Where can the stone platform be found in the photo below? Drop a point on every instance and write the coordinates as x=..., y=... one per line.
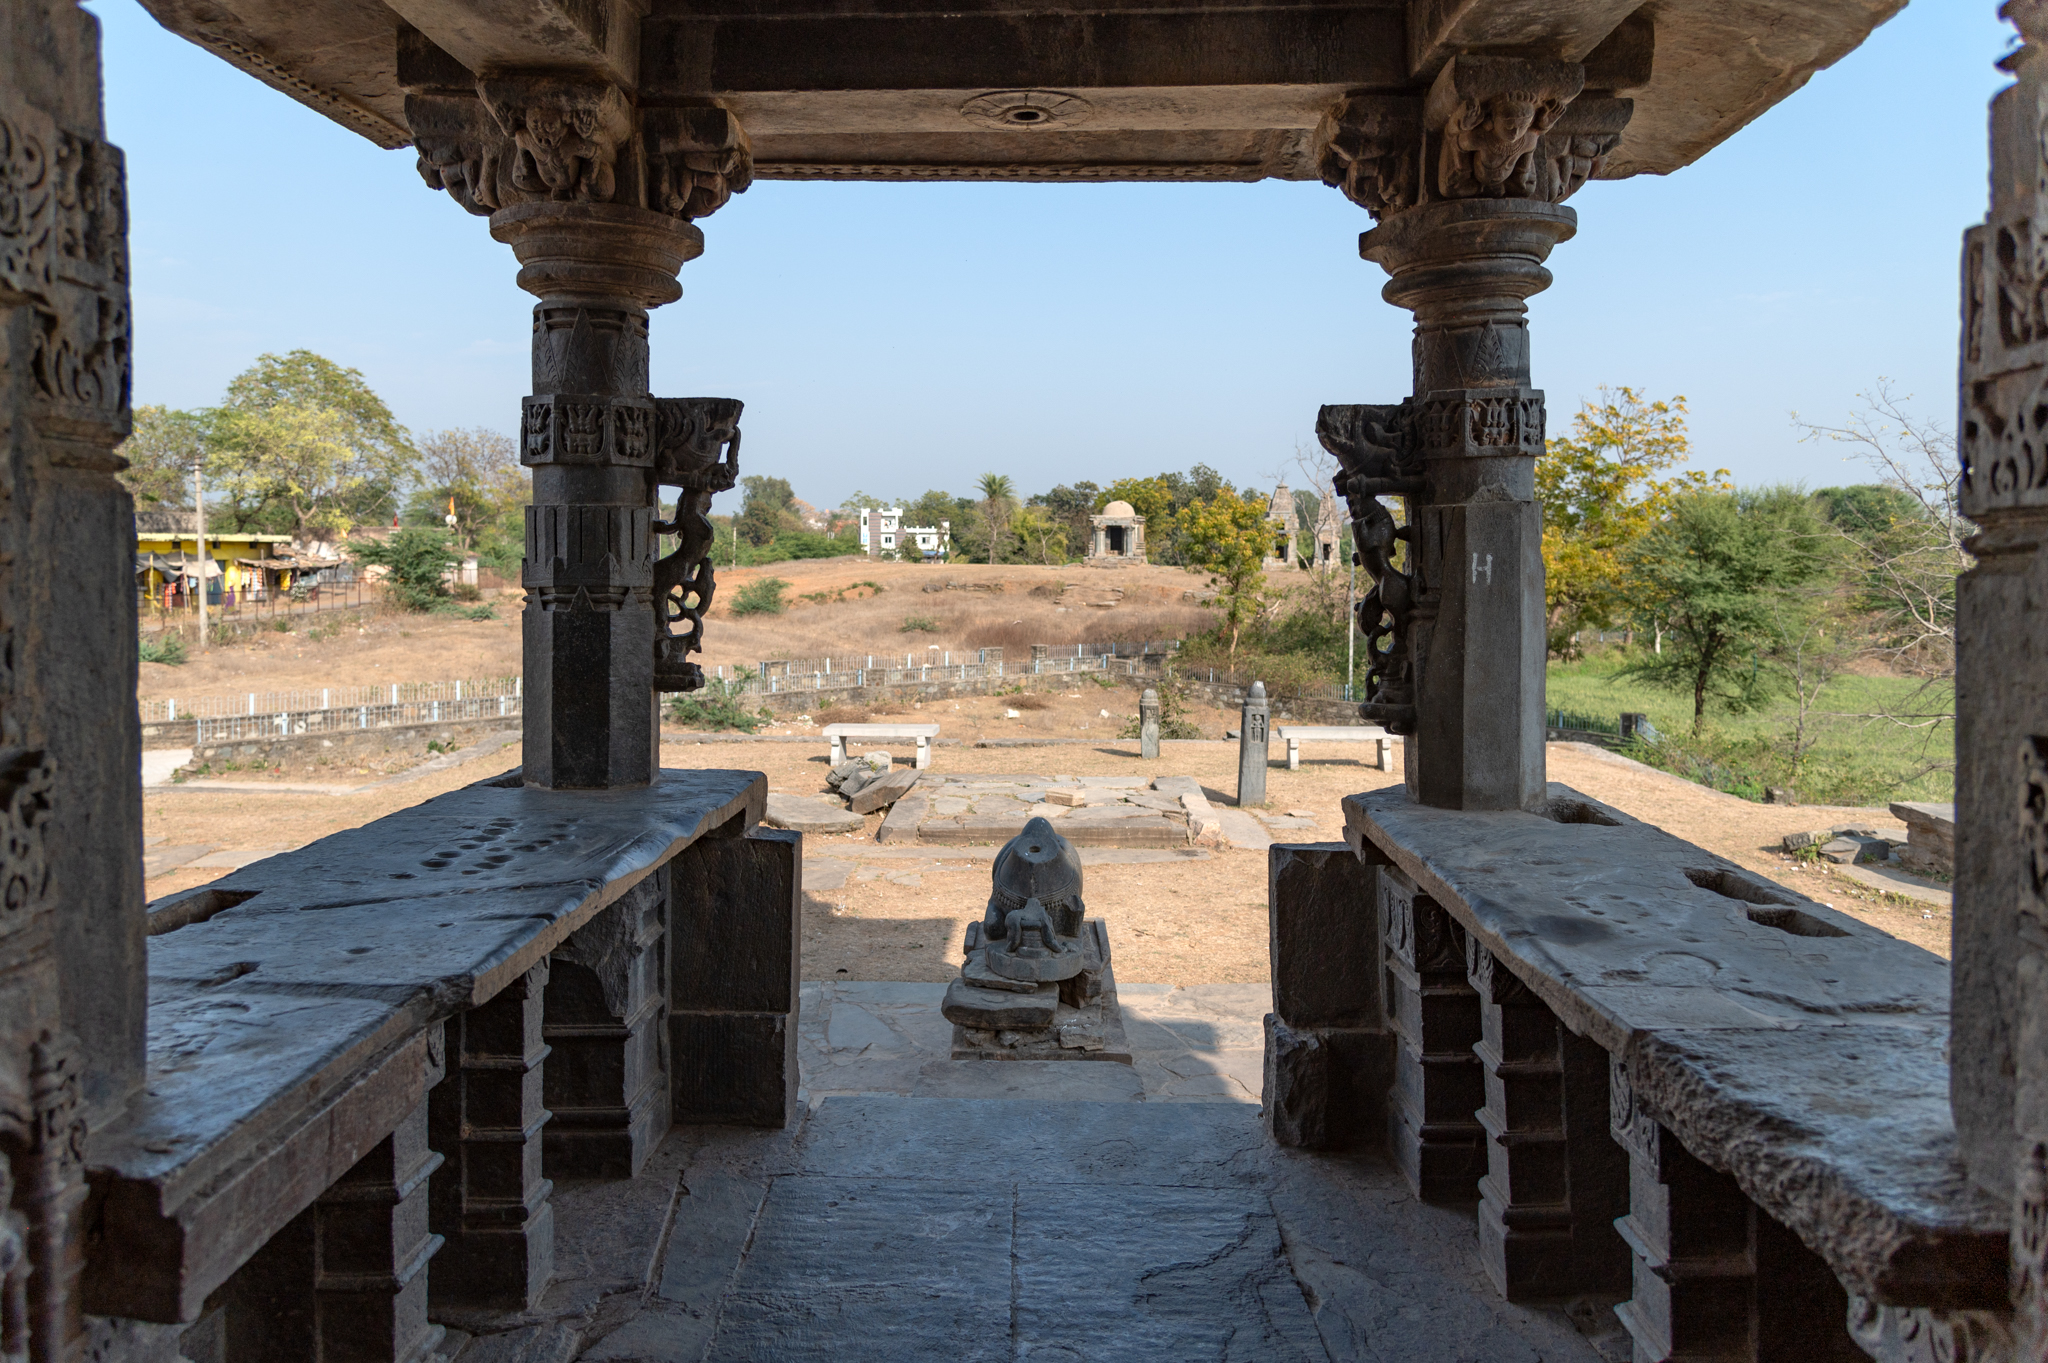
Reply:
x=1089, y=811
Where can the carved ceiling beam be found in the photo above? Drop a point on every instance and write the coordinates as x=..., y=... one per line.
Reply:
x=1440, y=29
x=598, y=38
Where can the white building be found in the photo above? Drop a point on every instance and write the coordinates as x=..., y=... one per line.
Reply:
x=882, y=531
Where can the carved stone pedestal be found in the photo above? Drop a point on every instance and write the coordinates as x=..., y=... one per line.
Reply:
x=606, y=1080
x=489, y=1200
x=1432, y=1134
x=734, y=938
x=1554, y=1180
x=1713, y=1277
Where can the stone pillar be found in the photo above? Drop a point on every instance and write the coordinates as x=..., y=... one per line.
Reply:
x=589, y=434
x=1148, y=724
x=1555, y=1180
x=489, y=1200
x=1465, y=268
x=735, y=916
x=606, y=1080
x=1252, y=744
x=1467, y=183
x=1433, y=1136
x=1329, y=1055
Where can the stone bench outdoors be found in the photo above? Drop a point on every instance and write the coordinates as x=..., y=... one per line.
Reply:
x=1295, y=734
x=380, y=1049
x=1656, y=1072
x=873, y=734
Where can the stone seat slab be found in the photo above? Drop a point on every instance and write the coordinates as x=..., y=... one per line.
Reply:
x=871, y=733
x=1296, y=734
x=296, y=1005
x=1741, y=1009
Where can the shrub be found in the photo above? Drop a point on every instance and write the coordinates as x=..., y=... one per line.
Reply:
x=762, y=596
x=717, y=706
x=1173, y=720
x=919, y=624
x=165, y=648
x=416, y=559
x=1033, y=701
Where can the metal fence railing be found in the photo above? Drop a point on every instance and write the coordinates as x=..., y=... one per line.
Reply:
x=937, y=657
x=154, y=610
x=915, y=674
x=343, y=719
x=270, y=703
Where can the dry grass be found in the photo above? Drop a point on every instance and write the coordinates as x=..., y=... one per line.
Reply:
x=842, y=714
x=1032, y=700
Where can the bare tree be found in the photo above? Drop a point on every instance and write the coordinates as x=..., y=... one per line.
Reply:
x=1905, y=559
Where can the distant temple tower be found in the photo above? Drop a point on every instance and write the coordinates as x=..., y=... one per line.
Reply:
x=1282, y=520
x=1118, y=536
x=1329, y=530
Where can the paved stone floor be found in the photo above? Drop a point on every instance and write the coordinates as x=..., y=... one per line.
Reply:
x=937, y=1211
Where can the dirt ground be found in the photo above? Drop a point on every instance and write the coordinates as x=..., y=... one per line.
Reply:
x=834, y=610
x=1190, y=922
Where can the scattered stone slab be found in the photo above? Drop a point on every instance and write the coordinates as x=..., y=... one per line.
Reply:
x=886, y=791
x=803, y=814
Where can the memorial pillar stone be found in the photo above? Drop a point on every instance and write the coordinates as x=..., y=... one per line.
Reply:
x=1148, y=724
x=1252, y=746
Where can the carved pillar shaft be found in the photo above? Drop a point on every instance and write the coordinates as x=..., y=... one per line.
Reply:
x=589, y=434
x=1465, y=268
x=606, y=1081
x=489, y=1200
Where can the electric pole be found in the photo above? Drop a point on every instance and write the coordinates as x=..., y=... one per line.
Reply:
x=199, y=538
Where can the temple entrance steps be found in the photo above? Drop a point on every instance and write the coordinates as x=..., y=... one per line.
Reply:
x=949, y=1229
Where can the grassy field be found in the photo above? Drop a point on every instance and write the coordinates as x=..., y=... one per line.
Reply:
x=1854, y=761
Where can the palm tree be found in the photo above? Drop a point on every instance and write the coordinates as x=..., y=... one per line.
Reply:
x=996, y=491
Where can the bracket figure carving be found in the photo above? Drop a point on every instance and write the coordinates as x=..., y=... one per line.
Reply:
x=461, y=149
x=697, y=159
x=1375, y=451
x=690, y=435
x=567, y=134
x=1369, y=147
x=1490, y=114
x=1577, y=146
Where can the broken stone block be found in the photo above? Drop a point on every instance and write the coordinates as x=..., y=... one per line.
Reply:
x=800, y=814
x=1072, y=799
x=1842, y=851
x=1795, y=841
x=971, y=1005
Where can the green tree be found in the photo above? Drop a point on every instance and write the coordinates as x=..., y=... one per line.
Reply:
x=997, y=503
x=767, y=509
x=476, y=472
x=305, y=443
x=1600, y=493
x=1071, y=507
x=416, y=560
x=1040, y=533
x=1721, y=574
x=161, y=450
x=1227, y=537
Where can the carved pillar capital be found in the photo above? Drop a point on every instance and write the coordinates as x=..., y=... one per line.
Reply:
x=570, y=251
x=1488, y=128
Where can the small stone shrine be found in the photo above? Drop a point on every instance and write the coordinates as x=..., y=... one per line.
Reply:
x=1036, y=984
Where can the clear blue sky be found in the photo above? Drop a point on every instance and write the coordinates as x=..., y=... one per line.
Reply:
x=894, y=338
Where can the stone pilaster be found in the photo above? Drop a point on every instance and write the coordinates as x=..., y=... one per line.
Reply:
x=1433, y=1136
x=606, y=1081
x=489, y=1200
x=1713, y=1277
x=1554, y=1180
x=589, y=435
x=1465, y=268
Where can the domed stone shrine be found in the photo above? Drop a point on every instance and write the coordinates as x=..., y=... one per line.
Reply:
x=1118, y=536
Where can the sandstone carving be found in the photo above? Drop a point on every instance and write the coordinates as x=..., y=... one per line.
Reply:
x=1374, y=451
x=567, y=134
x=1491, y=114
x=690, y=434
x=696, y=160
x=1369, y=147
x=1036, y=983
